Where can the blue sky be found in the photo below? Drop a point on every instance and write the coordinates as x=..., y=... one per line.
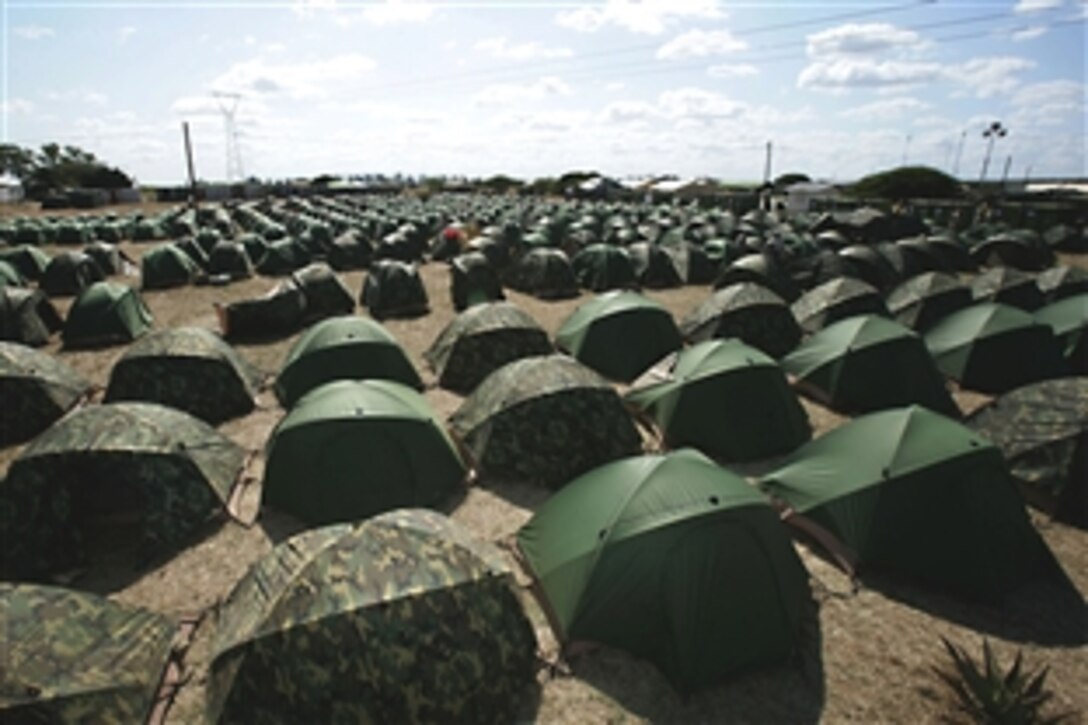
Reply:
x=689, y=87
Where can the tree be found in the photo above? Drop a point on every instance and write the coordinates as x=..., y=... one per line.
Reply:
x=54, y=168
x=786, y=180
x=500, y=184
x=908, y=182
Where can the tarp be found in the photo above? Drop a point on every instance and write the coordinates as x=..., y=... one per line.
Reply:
x=619, y=334
x=724, y=398
x=673, y=559
x=918, y=494
x=356, y=448
x=544, y=419
x=342, y=348
x=445, y=636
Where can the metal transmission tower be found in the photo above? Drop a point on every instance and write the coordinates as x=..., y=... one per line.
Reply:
x=228, y=106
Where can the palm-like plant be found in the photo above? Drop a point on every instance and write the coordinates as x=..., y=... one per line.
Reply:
x=987, y=695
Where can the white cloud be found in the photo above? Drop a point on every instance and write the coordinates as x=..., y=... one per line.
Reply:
x=394, y=12
x=935, y=121
x=1034, y=6
x=863, y=38
x=16, y=106
x=885, y=110
x=698, y=104
x=306, y=79
x=650, y=17
x=621, y=112
x=82, y=95
x=1049, y=92
x=307, y=8
x=701, y=43
x=845, y=73
x=33, y=32
x=1030, y=33
x=505, y=94
x=249, y=40
x=275, y=48
x=500, y=47
x=124, y=33
x=991, y=76
x=614, y=87
x=732, y=70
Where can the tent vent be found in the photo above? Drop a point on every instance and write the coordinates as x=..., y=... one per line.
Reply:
x=602, y=534
x=713, y=500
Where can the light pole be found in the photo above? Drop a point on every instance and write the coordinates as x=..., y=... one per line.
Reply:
x=993, y=132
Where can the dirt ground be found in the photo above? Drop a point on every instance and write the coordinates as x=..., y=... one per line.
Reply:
x=867, y=653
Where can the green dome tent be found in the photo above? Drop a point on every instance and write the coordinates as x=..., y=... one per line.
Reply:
x=350, y=250
x=653, y=266
x=69, y=273
x=619, y=334
x=922, y=301
x=673, y=559
x=283, y=256
x=836, y=300
x=473, y=281
x=324, y=293
x=993, y=348
x=601, y=267
x=170, y=469
x=106, y=313
x=107, y=256
x=342, y=348
x=230, y=260
x=729, y=400
x=1042, y=430
x=868, y=363
x=918, y=494
x=1008, y=286
x=867, y=264
x=394, y=289
x=27, y=316
x=278, y=313
x=30, y=262
x=1068, y=319
x=482, y=339
x=545, y=419
x=401, y=618
x=760, y=269
x=36, y=390
x=544, y=273
x=749, y=312
x=167, y=266
x=76, y=657
x=1057, y=283
x=10, y=276
x=187, y=368
x=355, y=448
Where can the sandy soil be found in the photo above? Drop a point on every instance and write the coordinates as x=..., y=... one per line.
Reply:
x=867, y=654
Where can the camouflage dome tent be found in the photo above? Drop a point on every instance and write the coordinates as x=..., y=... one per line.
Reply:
x=916, y=493
x=544, y=419
x=350, y=250
x=601, y=267
x=994, y=348
x=836, y=300
x=324, y=293
x=619, y=334
x=482, y=339
x=107, y=256
x=106, y=313
x=922, y=301
x=749, y=312
x=1042, y=430
x=279, y=312
x=27, y=316
x=1068, y=319
x=36, y=390
x=187, y=368
x=167, y=266
x=473, y=281
x=283, y=256
x=867, y=363
x=342, y=348
x=673, y=559
x=1057, y=283
x=355, y=448
x=760, y=269
x=394, y=289
x=1008, y=286
x=77, y=657
x=401, y=618
x=229, y=259
x=653, y=266
x=729, y=400
x=104, y=461
x=69, y=273
x=545, y=273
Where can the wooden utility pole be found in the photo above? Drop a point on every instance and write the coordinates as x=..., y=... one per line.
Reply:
x=189, y=164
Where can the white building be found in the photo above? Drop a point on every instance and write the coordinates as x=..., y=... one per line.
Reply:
x=11, y=190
